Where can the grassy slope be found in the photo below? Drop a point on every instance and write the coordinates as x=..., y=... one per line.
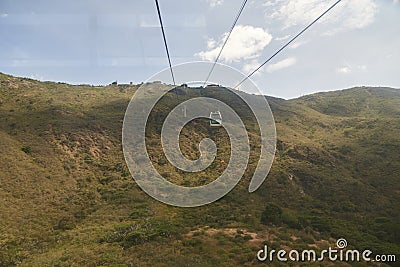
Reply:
x=67, y=197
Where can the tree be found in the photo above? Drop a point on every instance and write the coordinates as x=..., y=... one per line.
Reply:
x=272, y=215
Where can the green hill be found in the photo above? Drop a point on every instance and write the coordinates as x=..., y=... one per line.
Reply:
x=67, y=198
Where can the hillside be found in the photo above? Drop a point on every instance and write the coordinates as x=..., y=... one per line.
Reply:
x=67, y=198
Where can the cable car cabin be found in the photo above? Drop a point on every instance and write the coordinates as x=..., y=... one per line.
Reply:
x=215, y=119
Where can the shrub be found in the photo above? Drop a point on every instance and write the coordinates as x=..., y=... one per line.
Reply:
x=26, y=149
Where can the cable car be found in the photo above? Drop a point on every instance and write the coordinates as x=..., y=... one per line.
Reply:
x=215, y=119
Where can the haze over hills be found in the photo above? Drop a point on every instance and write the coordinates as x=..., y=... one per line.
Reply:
x=67, y=198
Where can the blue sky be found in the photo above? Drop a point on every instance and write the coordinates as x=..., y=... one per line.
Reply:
x=97, y=41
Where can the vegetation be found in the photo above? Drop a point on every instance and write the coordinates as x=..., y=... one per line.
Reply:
x=67, y=198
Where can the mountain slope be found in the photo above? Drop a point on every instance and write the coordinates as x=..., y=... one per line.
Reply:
x=67, y=197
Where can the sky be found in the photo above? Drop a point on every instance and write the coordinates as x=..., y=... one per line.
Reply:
x=98, y=42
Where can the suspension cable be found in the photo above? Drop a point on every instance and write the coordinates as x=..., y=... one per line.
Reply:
x=165, y=40
x=226, y=40
x=288, y=43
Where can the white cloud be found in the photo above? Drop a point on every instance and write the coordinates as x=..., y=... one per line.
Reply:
x=282, y=64
x=347, y=68
x=245, y=42
x=362, y=67
x=251, y=66
x=214, y=3
x=283, y=38
x=396, y=1
x=269, y=3
x=211, y=43
x=344, y=70
x=347, y=15
x=4, y=15
x=297, y=44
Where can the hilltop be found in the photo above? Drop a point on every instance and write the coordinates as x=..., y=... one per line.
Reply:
x=66, y=196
